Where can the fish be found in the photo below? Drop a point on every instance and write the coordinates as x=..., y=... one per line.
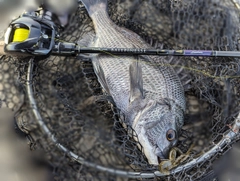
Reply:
x=149, y=94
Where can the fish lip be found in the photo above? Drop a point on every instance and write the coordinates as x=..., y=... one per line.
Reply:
x=160, y=156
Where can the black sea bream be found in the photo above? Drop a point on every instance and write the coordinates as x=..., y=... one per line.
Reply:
x=148, y=93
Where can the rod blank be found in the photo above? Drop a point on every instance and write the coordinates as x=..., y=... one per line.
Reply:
x=159, y=52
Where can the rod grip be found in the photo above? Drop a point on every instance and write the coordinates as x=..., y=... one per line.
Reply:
x=64, y=49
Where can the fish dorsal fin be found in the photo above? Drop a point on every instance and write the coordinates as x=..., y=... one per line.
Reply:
x=136, y=81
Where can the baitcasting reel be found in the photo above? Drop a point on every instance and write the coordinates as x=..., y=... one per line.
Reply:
x=36, y=34
x=32, y=34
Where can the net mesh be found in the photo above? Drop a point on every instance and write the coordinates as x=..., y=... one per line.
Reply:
x=72, y=105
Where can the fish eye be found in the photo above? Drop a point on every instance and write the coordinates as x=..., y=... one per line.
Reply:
x=171, y=135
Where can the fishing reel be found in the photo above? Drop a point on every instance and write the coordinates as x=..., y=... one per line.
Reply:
x=31, y=34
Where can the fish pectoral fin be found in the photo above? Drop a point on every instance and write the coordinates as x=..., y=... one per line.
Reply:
x=136, y=81
x=166, y=102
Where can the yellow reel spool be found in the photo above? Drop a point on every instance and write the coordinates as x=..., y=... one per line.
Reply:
x=20, y=34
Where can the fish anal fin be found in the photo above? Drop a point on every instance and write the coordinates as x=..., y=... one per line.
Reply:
x=136, y=82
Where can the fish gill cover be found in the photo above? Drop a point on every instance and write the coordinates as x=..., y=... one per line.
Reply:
x=62, y=88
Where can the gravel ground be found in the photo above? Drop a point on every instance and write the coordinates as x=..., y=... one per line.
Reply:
x=17, y=162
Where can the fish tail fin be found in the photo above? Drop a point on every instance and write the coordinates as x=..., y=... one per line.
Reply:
x=94, y=5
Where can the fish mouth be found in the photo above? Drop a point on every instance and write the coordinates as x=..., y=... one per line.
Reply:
x=161, y=156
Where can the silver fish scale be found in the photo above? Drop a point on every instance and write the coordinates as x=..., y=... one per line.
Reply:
x=169, y=83
x=159, y=81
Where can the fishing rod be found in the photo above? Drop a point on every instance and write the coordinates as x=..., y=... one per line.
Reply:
x=74, y=49
x=34, y=35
